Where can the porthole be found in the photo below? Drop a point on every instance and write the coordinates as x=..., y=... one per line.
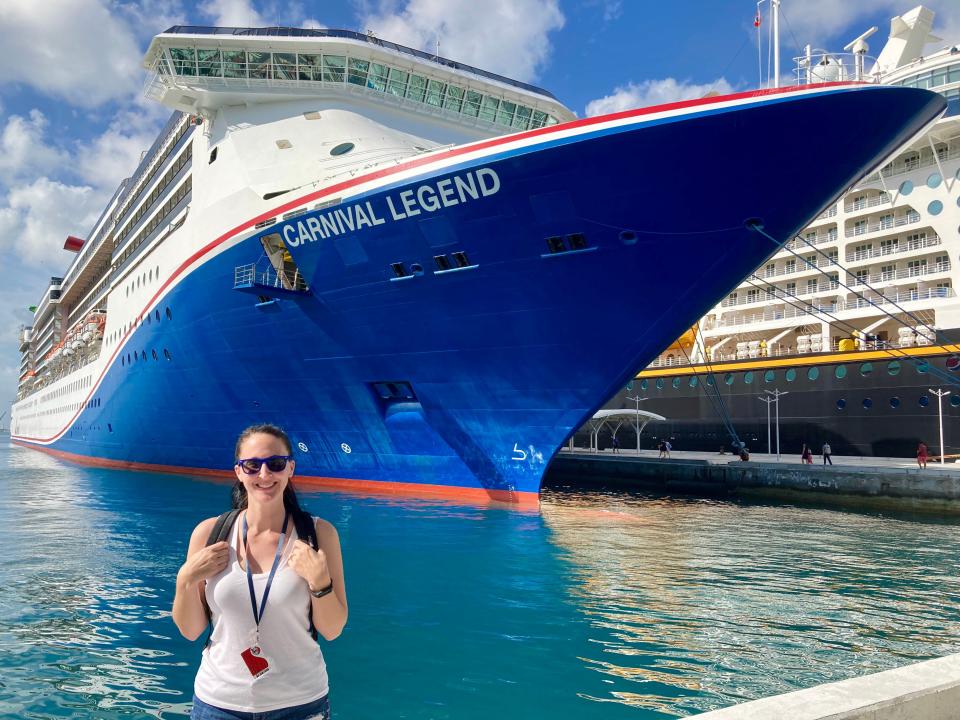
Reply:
x=154, y=353
x=169, y=315
x=924, y=401
x=867, y=403
x=906, y=187
x=728, y=378
x=934, y=180
x=128, y=358
x=693, y=381
x=156, y=314
x=143, y=355
x=866, y=369
x=166, y=354
x=893, y=367
x=813, y=373
x=841, y=372
x=935, y=207
x=676, y=383
x=953, y=363
x=841, y=404
x=644, y=384
x=628, y=237
x=659, y=383
x=791, y=375
x=923, y=367
x=342, y=149
x=748, y=378
x=894, y=402
x=629, y=386
x=416, y=268
x=710, y=380
x=955, y=401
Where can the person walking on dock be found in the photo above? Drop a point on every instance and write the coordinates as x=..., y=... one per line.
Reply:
x=826, y=454
x=667, y=447
x=616, y=444
x=922, y=454
x=806, y=456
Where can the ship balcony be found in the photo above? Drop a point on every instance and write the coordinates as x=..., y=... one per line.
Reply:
x=899, y=297
x=798, y=267
x=263, y=280
x=772, y=316
x=888, y=223
x=864, y=203
x=822, y=237
x=901, y=274
x=909, y=163
x=896, y=248
x=830, y=212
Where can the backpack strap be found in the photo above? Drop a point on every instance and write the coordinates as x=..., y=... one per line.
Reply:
x=307, y=531
x=221, y=528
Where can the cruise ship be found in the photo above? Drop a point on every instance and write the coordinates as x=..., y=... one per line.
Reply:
x=405, y=261
x=856, y=317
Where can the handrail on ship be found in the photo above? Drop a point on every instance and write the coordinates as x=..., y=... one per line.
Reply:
x=353, y=35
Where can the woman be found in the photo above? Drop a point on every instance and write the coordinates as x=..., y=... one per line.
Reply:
x=264, y=590
x=922, y=454
x=806, y=456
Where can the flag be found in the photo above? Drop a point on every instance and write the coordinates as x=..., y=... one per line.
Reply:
x=756, y=20
x=32, y=308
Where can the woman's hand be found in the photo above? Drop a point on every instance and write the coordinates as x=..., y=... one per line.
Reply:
x=205, y=563
x=310, y=564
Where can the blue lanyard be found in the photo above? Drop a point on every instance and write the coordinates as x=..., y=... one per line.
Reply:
x=258, y=616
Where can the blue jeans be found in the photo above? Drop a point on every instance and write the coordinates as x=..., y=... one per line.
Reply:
x=316, y=710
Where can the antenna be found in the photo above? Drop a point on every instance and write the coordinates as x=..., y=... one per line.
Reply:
x=859, y=48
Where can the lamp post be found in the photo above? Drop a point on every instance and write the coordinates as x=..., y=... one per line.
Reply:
x=637, y=400
x=767, y=401
x=940, y=395
x=777, y=394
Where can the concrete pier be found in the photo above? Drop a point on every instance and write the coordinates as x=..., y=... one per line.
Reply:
x=878, y=482
x=927, y=690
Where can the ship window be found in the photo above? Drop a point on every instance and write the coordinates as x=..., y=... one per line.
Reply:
x=213, y=156
x=748, y=377
x=893, y=368
x=309, y=67
x=906, y=187
x=454, y=99
x=258, y=65
x=555, y=244
x=659, y=383
x=442, y=261
x=184, y=61
x=334, y=68
x=157, y=314
x=955, y=401
x=435, y=91
x=577, y=241
x=791, y=375
x=460, y=258
x=728, y=378
x=154, y=353
x=505, y=112
x=471, y=105
x=710, y=380
x=397, y=84
x=377, y=79
x=953, y=363
x=398, y=269
x=894, y=402
x=935, y=207
x=769, y=376
x=285, y=66
x=166, y=354
x=488, y=108
x=128, y=358
x=841, y=404
x=693, y=381
x=866, y=369
x=840, y=372
x=923, y=367
x=169, y=315
x=521, y=120
x=342, y=149
x=676, y=383
x=417, y=88
x=813, y=373
x=867, y=403
x=644, y=384
x=109, y=427
x=357, y=71
x=416, y=268
x=924, y=401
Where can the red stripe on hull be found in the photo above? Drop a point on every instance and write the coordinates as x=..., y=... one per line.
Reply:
x=364, y=488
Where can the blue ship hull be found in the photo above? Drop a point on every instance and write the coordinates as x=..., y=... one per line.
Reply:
x=472, y=378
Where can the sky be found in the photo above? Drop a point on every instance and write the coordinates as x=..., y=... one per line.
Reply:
x=74, y=122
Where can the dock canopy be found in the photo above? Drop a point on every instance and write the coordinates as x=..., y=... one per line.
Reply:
x=617, y=418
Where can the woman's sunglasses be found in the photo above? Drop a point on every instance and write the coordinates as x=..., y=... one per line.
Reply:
x=274, y=463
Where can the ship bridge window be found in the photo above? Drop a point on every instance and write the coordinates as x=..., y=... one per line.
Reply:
x=397, y=82
x=488, y=108
x=435, y=92
x=357, y=71
x=334, y=68
x=417, y=88
x=342, y=149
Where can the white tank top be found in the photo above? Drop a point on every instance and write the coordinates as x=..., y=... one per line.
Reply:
x=297, y=674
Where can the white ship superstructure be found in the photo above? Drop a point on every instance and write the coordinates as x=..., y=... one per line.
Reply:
x=892, y=239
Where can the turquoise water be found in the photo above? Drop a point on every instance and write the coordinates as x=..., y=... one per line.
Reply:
x=599, y=606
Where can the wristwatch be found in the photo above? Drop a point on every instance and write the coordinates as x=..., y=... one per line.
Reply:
x=322, y=591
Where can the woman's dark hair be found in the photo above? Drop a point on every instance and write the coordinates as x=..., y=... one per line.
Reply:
x=239, y=495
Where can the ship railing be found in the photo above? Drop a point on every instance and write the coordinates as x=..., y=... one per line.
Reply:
x=821, y=66
x=910, y=272
x=862, y=204
x=913, y=163
x=864, y=228
x=894, y=248
x=820, y=238
x=828, y=213
x=252, y=275
x=899, y=297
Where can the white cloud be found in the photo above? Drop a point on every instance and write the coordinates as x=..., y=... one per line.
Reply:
x=115, y=154
x=233, y=13
x=510, y=37
x=653, y=92
x=37, y=218
x=73, y=50
x=24, y=152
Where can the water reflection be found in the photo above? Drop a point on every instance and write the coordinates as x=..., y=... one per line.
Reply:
x=697, y=604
